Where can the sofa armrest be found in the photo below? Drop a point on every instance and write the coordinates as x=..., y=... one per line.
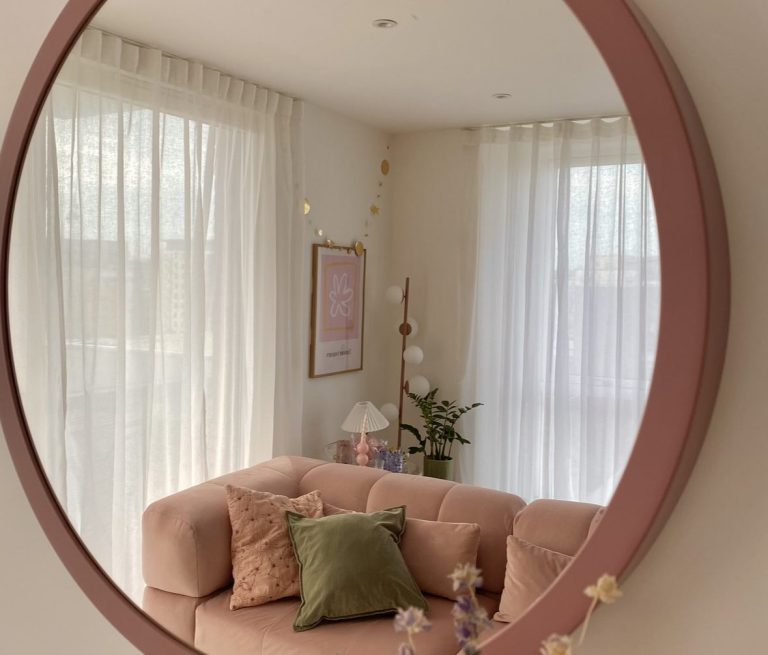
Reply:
x=186, y=537
x=174, y=612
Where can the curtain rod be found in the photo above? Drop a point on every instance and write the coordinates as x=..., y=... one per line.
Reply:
x=544, y=122
x=171, y=55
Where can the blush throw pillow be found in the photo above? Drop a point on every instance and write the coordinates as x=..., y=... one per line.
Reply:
x=530, y=571
x=432, y=550
x=351, y=566
x=263, y=563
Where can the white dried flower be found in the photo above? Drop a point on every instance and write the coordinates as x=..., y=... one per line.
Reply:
x=556, y=645
x=606, y=590
x=412, y=621
x=466, y=577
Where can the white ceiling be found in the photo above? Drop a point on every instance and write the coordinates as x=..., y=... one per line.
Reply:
x=437, y=69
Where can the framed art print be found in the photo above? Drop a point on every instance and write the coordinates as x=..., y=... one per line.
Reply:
x=338, y=304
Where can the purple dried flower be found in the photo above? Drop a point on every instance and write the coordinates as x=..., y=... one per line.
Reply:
x=466, y=577
x=405, y=649
x=463, y=632
x=463, y=605
x=469, y=620
x=411, y=621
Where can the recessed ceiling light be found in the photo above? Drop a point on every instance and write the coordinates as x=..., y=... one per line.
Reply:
x=385, y=23
x=502, y=96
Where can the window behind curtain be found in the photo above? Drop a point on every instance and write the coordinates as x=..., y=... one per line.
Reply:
x=152, y=236
x=566, y=311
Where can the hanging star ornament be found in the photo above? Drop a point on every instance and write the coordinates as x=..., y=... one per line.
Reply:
x=375, y=209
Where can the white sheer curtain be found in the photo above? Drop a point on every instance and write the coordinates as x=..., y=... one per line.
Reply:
x=154, y=282
x=566, y=308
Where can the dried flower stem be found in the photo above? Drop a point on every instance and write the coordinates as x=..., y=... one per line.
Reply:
x=606, y=590
x=585, y=625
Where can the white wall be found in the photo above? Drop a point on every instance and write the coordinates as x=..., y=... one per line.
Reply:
x=701, y=589
x=342, y=175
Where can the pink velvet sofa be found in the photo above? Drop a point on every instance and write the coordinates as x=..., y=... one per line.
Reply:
x=188, y=571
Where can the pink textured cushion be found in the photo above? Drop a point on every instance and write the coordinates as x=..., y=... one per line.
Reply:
x=263, y=563
x=530, y=571
x=432, y=550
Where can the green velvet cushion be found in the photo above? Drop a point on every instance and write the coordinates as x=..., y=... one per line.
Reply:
x=350, y=566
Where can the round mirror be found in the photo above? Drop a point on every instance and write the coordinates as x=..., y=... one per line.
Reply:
x=232, y=226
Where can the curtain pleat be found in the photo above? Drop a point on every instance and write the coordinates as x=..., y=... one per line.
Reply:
x=153, y=243
x=566, y=309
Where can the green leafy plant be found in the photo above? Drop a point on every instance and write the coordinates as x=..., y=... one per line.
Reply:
x=439, y=418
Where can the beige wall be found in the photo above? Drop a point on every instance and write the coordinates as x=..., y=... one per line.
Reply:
x=432, y=178
x=27, y=562
x=342, y=175
x=701, y=589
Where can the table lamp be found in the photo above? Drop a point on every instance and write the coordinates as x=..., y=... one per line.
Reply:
x=364, y=418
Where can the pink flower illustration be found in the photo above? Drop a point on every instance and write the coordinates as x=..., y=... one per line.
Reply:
x=341, y=297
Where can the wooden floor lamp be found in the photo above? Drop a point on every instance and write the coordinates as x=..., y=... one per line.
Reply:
x=408, y=354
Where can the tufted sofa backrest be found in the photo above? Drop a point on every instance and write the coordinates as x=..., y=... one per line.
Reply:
x=364, y=489
x=186, y=536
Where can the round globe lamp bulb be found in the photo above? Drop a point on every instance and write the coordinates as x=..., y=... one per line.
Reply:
x=419, y=385
x=390, y=411
x=394, y=295
x=413, y=355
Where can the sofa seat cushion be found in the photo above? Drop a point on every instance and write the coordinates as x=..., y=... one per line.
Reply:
x=268, y=630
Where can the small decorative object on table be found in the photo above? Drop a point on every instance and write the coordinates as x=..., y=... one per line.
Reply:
x=393, y=460
x=364, y=418
x=439, y=418
x=344, y=451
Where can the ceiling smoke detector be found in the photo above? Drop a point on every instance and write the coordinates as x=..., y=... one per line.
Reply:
x=502, y=96
x=384, y=23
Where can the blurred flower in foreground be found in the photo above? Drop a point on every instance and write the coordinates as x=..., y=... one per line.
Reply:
x=465, y=577
x=556, y=645
x=412, y=621
x=469, y=617
x=606, y=590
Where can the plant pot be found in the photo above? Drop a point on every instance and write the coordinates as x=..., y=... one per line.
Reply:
x=438, y=468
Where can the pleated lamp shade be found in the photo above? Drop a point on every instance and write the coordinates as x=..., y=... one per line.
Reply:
x=355, y=421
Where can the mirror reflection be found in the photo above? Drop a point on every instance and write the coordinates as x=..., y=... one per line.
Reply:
x=415, y=240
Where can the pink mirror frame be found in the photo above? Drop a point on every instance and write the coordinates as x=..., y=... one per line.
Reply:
x=692, y=334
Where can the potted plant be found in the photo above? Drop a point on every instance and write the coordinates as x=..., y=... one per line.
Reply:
x=440, y=433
